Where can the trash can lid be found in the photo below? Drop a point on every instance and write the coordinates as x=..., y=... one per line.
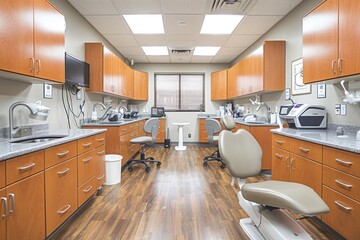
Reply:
x=113, y=157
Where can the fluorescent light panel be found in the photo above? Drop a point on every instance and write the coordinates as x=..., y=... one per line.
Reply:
x=145, y=23
x=220, y=24
x=206, y=51
x=156, y=50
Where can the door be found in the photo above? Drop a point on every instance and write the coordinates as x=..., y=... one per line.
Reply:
x=49, y=36
x=320, y=42
x=16, y=36
x=24, y=222
x=349, y=36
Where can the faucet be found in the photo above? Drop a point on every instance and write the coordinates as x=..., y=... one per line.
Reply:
x=36, y=112
x=98, y=104
x=261, y=104
x=122, y=108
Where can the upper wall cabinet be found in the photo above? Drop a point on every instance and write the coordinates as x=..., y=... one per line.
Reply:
x=32, y=37
x=140, y=85
x=219, y=85
x=263, y=70
x=331, y=35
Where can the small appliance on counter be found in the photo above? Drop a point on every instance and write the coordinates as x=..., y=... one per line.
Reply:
x=303, y=116
x=134, y=114
x=157, y=112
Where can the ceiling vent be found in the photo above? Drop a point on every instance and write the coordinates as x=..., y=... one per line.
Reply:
x=232, y=6
x=181, y=51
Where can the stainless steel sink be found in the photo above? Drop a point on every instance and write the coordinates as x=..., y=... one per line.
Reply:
x=37, y=139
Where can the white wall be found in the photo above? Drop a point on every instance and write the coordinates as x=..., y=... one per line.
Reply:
x=290, y=30
x=190, y=117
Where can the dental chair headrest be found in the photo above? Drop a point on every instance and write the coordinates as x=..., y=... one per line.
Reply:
x=228, y=122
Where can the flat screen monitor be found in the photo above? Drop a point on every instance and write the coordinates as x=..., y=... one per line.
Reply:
x=77, y=72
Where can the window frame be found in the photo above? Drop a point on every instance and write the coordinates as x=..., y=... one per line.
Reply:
x=180, y=74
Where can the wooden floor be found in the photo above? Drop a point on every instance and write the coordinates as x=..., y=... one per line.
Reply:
x=180, y=200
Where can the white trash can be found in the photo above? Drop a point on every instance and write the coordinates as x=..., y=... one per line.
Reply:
x=112, y=169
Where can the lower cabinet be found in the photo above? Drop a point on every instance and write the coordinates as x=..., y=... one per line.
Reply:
x=160, y=137
x=99, y=166
x=61, y=193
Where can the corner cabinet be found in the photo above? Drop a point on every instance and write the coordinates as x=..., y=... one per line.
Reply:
x=219, y=85
x=330, y=49
x=141, y=85
x=34, y=43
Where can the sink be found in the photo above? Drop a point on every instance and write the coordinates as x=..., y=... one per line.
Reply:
x=256, y=122
x=37, y=139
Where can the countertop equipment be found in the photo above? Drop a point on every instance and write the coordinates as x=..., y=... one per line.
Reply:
x=157, y=112
x=303, y=116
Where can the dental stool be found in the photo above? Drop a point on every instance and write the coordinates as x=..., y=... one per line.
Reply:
x=213, y=126
x=263, y=202
x=151, y=126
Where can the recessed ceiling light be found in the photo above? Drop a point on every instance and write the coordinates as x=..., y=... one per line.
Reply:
x=220, y=24
x=182, y=23
x=206, y=51
x=145, y=23
x=156, y=50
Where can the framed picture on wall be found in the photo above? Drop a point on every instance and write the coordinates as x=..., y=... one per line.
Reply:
x=297, y=84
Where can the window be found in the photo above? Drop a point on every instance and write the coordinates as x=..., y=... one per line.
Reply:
x=179, y=92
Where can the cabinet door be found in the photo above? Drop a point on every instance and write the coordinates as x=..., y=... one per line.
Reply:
x=320, y=42
x=100, y=165
x=280, y=165
x=49, y=36
x=107, y=71
x=161, y=131
x=129, y=81
x=86, y=167
x=231, y=86
x=219, y=85
x=2, y=174
x=3, y=199
x=16, y=36
x=116, y=80
x=140, y=85
x=263, y=136
x=349, y=36
x=300, y=172
x=61, y=193
x=24, y=222
x=257, y=70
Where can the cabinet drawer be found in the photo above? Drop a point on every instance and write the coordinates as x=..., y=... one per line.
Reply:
x=342, y=182
x=100, y=165
x=86, y=144
x=86, y=166
x=342, y=160
x=344, y=215
x=99, y=139
x=124, y=129
x=306, y=149
x=281, y=142
x=86, y=191
x=24, y=166
x=60, y=153
x=60, y=193
x=2, y=174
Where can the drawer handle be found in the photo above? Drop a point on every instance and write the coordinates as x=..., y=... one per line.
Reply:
x=343, y=184
x=279, y=142
x=87, y=160
x=278, y=156
x=100, y=139
x=13, y=203
x=63, y=172
x=63, y=154
x=87, y=144
x=65, y=210
x=99, y=178
x=5, y=206
x=304, y=150
x=287, y=162
x=348, y=209
x=88, y=189
x=28, y=167
x=343, y=162
x=100, y=153
x=292, y=164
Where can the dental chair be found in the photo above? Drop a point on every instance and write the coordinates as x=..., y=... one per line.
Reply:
x=228, y=122
x=264, y=202
x=213, y=126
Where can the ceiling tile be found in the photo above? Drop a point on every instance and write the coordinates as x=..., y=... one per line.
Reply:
x=137, y=7
x=131, y=51
x=95, y=7
x=229, y=51
x=113, y=24
x=122, y=40
x=201, y=59
x=151, y=39
x=241, y=41
x=138, y=58
x=211, y=40
x=159, y=59
x=256, y=24
x=181, y=37
x=273, y=7
x=179, y=24
x=183, y=6
x=181, y=44
x=180, y=58
x=222, y=59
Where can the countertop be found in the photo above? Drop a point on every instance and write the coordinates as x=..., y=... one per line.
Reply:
x=10, y=150
x=115, y=123
x=238, y=120
x=326, y=137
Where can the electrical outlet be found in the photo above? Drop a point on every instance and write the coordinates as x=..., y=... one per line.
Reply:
x=337, y=109
x=343, y=109
x=189, y=135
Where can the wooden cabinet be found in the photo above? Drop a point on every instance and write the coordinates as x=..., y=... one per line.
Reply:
x=328, y=48
x=100, y=165
x=39, y=37
x=3, y=202
x=2, y=174
x=128, y=81
x=231, y=84
x=140, y=85
x=219, y=81
x=60, y=153
x=160, y=137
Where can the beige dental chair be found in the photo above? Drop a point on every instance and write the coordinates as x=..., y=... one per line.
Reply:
x=212, y=127
x=263, y=202
x=228, y=122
